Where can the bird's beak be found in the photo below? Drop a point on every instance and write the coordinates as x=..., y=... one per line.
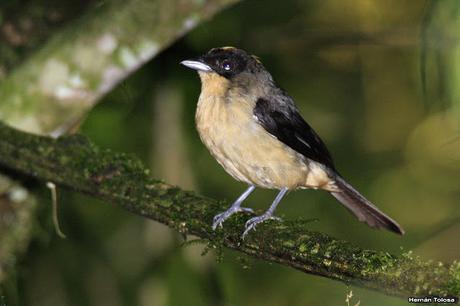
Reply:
x=196, y=65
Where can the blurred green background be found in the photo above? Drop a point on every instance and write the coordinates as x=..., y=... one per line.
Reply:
x=378, y=80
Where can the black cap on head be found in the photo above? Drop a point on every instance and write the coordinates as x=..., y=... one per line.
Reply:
x=225, y=61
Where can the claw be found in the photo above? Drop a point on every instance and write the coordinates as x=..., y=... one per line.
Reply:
x=219, y=219
x=253, y=222
x=236, y=207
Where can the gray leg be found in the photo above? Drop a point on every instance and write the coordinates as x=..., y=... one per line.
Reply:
x=251, y=223
x=236, y=207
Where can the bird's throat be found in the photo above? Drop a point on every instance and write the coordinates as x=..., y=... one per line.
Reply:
x=213, y=85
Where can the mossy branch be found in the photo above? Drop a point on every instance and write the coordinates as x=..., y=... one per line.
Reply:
x=76, y=163
x=51, y=91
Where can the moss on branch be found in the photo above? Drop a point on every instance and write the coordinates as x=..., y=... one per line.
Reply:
x=76, y=163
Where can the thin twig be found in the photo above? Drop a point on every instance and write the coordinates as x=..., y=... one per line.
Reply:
x=52, y=187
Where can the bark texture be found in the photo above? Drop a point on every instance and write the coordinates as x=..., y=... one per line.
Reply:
x=76, y=163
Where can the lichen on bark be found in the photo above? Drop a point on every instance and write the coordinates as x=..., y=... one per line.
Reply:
x=77, y=66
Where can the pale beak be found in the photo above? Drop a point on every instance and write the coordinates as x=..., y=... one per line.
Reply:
x=196, y=65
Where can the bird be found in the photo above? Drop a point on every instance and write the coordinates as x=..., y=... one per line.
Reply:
x=255, y=131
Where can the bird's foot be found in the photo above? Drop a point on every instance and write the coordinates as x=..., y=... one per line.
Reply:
x=252, y=223
x=219, y=219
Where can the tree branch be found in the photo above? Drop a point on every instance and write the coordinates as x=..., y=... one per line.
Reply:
x=25, y=25
x=74, y=162
x=58, y=84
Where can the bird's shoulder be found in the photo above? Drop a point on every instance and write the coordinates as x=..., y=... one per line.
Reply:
x=279, y=116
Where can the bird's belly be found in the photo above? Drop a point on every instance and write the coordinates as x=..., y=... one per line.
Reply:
x=249, y=153
x=264, y=161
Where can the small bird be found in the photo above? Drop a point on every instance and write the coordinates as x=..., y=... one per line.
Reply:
x=255, y=131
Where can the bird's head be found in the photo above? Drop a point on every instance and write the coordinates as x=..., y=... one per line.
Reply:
x=229, y=67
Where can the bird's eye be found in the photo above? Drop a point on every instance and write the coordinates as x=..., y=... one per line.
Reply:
x=227, y=66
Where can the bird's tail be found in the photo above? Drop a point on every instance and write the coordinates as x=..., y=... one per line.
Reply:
x=364, y=210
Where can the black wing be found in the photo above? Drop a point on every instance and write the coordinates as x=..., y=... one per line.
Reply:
x=282, y=119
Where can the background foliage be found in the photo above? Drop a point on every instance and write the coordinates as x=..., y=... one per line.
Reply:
x=379, y=81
